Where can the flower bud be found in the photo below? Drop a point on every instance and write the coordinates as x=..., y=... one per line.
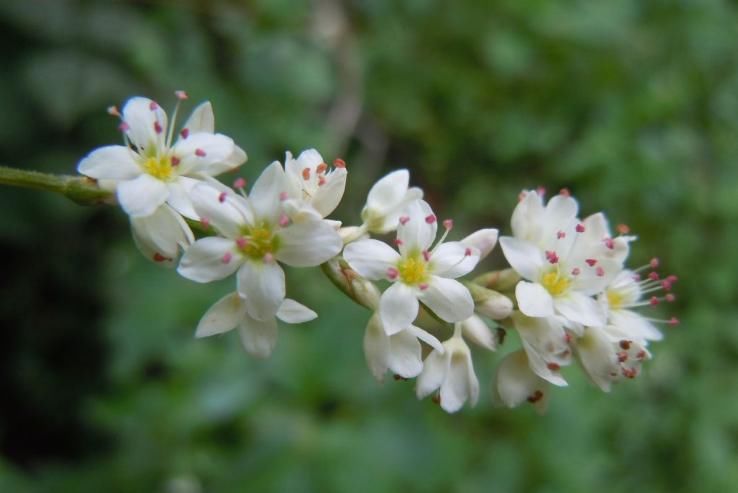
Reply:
x=499, y=280
x=495, y=305
x=351, y=233
x=476, y=330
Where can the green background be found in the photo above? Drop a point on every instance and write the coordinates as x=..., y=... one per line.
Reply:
x=632, y=105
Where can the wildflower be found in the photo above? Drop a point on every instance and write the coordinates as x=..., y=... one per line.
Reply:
x=606, y=361
x=515, y=383
x=257, y=336
x=312, y=181
x=451, y=371
x=254, y=234
x=417, y=273
x=546, y=345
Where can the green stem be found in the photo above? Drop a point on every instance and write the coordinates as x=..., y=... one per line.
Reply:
x=80, y=189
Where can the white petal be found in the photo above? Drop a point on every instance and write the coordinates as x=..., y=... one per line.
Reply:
x=292, y=312
x=142, y=196
x=598, y=358
x=236, y=159
x=515, y=382
x=180, y=191
x=201, y=152
x=390, y=219
x=263, y=286
x=527, y=216
x=560, y=210
x=426, y=337
x=258, y=336
x=460, y=383
x=417, y=233
x=307, y=244
x=544, y=341
x=329, y=195
x=370, y=258
x=227, y=216
x=449, y=299
x=534, y=300
x=434, y=371
x=376, y=348
x=478, y=332
x=634, y=326
x=110, y=163
x=398, y=307
x=141, y=121
x=223, y=316
x=580, y=308
x=388, y=191
x=594, y=279
x=451, y=259
x=201, y=119
x=524, y=257
x=160, y=235
x=204, y=261
x=264, y=196
x=404, y=358
x=484, y=240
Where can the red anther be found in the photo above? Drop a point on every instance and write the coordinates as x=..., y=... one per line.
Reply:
x=636, y=276
x=283, y=196
x=321, y=181
x=630, y=372
x=672, y=278
x=565, y=192
x=241, y=242
x=467, y=252
x=184, y=133
x=174, y=160
x=565, y=353
x=535, y=397
x=398, y=241
x=673, y=321
x=199, y=152
x=284, y=220
x=113, y=111
x=436, y=399
x=641, y=354
x=339, y=163
x=268, y=258
x=622, y=357
x=153, y=106
x=624, y=344
x=239, y=182
x=623, y=229
x=600, y=272
x=541, y=191
x=609, y=243
x=423, y=286
x=321, y=168
x=398, y=377
x=124, y=127
x=448, y=224
x=426, y=255
x=560, y=235
x=553, y=366
x=567, y=338
x=552, y=257
x=430, y=219
x=158, y=257
x=227, y=256
x=670, y=298
x=521, y=196
x=205, y=222
x=654, y=276
x=222, y=197
x=404, y=220
x=392, y=273
x=305, y=173
x=666, y=285
x=575, y=271
x=591, y=261
x=654, y=263
x=181, y=95
x=654, y=301
x=580, y=228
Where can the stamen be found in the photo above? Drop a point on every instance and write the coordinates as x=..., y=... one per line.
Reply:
x=284, y=220
x=239, y=182
x=305, y=174
x=654, y=301
x=181, y=95
x=227, y=256
x=448, y=224
x=392, y=273
x=553, y=366
x=673, y=321
x=521, y=196
x=404, y=220
x=654, y=263
x=630, y=372
x=541, y=191
x=654, y=276
x=423, y=286
x=241, y=242
x=199, y=152
x=467, y=252
x=560, y=235
x=321, y=180
x=580, y=228
x=158, y=257
x=222, y=197
x=184, y=133
x=153, y=106
x=575, y=271
x=436, y=399
x=426, y=255
x=670, y=298
x=609, y=243
x=268, y=258
x=339, y=163
x=600, y=272
x=622, y=357
x=623, y=229
x=322, y=168
x=398, y=242
x=641, y=354
x=672, y=278
x=205, y=222
x=552, y=257
x=157, y=127
x=113, y=111
x=124, y=127
x=564, y=192
x=174, y=160
x=430, y=219
x=591, y=262
x=625, y=344
x=283, y=196
x=535, y=397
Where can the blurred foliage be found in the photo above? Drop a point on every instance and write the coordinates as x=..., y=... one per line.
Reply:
x=632, y=105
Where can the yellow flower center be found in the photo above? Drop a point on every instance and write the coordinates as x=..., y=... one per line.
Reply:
x=614, y=299
x=413, y=270
x=159, y=167
x=555, y=283
x=257, y=242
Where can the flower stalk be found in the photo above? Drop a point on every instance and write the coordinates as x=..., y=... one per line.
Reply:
x=80, y=189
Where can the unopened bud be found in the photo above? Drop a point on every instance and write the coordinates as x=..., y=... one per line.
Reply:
x=351, y=233
x=366, y=292
x=499, y=280
x=476, y=330
x=490, y=303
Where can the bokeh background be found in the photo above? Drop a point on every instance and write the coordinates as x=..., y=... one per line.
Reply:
x=632, y=105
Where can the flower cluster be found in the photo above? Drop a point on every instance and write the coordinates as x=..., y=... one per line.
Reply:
x=568, y=295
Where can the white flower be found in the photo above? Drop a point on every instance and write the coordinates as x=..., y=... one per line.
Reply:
x=605, y=361
x=417, y=273
x=386, y=201
x=257, y=336
x=453, y=372
x=562, y=272
x=516, y=383
x=311, y=180
x=151, y=172
x=254, y=235
x=546, y=345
